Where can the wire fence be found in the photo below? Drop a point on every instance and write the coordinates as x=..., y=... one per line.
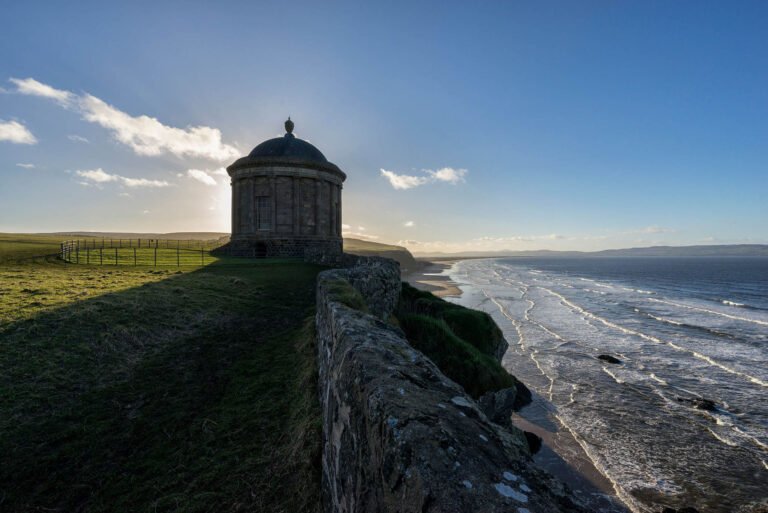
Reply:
x=139, y=252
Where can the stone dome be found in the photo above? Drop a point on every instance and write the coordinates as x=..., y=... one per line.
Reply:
x=288, y=146
x=286, y=150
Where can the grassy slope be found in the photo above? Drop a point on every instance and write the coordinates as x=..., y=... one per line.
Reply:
x=368, y=248
x=133, y=389
x=463, y=343
x=18, y=246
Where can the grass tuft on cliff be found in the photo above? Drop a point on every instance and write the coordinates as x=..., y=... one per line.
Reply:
x=140, y=389
x=475, y=327
x=465, y=344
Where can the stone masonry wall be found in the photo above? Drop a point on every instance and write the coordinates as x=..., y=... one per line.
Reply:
x=397, y=434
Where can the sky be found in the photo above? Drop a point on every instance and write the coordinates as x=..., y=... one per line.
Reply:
x=460, y=125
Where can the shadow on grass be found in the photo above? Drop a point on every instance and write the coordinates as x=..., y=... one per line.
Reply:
x=193, y=393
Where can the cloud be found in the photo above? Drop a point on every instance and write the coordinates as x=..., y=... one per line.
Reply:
x=26, y=166
x=32, y=87
x=346, y=231
x=145, y=135
x=403, y=182
x=77, y=138
x=522, y=238
x=201, y=176
x=99, y=176
x=142, y=182
x=655, y=229
x=359, y=235
x=449, y=175
x=16, y=133
x=409, y=224
x=221, y=172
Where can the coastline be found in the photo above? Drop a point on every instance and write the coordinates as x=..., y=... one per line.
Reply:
x=561, y=454
x=432, y=277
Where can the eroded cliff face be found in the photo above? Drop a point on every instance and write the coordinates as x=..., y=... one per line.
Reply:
x=399, y=435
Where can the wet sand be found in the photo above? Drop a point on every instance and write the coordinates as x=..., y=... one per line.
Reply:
x=431, y=279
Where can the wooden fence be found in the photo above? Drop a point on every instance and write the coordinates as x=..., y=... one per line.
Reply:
x=144, y=252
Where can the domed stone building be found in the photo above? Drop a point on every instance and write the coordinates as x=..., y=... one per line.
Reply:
x=286, y=201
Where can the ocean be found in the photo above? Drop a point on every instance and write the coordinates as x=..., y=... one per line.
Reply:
x=685, y=330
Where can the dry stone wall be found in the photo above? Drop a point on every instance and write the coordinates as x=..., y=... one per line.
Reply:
x=399, y=436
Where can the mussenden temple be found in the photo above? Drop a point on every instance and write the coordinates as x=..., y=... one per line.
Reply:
x=286, y=202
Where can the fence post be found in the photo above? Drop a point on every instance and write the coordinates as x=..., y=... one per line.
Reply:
x=101, y=256
x=155, y=255
x=115, y=256
x=178, y=262
x=77, y=252
x=87, y=255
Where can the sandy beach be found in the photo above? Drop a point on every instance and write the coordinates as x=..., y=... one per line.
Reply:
x=431, y=278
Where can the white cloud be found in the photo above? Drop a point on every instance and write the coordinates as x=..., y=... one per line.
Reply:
x=26, y=166
x=360, y=235
x=201, y=176
x=521, y=238
x=409, y=224
x=345, y=227
x=220, y=172
x=145, y=135
x=15, y=132
x=403, y=181
x=143, y=182
x=77, y=138
x=655, y=229
x=125, y=195
x=145, y=212
x=32, y=87
x=99, y=176
x=449, y=175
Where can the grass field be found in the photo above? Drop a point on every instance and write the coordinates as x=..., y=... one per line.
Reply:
x=135, y=389
x=17, y=246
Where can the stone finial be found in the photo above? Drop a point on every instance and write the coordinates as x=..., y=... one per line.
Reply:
x=289, y=126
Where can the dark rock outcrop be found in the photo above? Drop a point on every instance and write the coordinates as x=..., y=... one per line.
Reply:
x=699, y=403
x=399, y=435
x=608, y=358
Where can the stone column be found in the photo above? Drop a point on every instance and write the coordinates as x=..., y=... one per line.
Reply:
x=273, y=193
x=316, y=204
x=235, y=192
x=295, y=184
x=251, y=205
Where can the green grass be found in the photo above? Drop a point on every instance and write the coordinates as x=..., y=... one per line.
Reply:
x=475, y=327
x=21, y=246
x=462, y=342
x=139, y=389
x=346, y=294
x=463, y=363
x=148, y=257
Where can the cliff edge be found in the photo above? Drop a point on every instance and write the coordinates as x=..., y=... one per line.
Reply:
x=398, y=435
